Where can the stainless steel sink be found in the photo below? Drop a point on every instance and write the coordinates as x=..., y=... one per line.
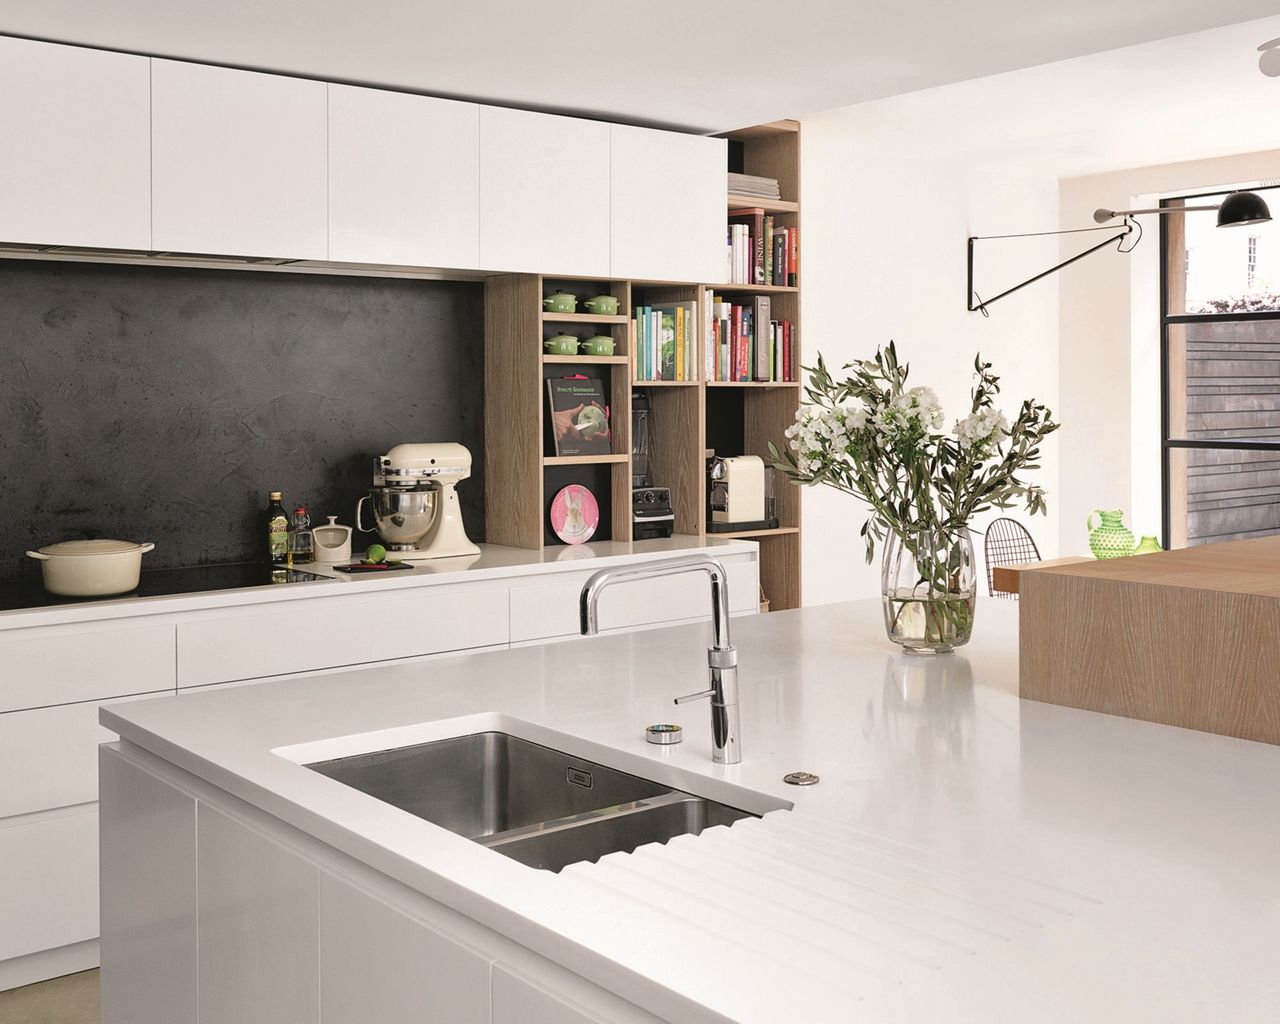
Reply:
x=536, y=805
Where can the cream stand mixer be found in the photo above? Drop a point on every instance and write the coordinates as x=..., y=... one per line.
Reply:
x=415, y=503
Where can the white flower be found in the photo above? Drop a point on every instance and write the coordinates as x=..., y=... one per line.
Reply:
x=984, y=427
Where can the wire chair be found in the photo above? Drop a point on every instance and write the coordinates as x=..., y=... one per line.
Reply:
x=1007, y=543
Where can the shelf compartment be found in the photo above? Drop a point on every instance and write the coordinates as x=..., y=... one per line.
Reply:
x=586, y=360
x=584, y=318
x=738, y=202
x=582, y=460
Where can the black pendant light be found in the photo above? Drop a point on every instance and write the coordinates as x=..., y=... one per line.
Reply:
x=1242, y=208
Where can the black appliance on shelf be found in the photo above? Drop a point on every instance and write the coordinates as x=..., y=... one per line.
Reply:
x=651, y=512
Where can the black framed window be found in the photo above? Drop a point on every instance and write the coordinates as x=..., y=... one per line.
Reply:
x=1220, y=387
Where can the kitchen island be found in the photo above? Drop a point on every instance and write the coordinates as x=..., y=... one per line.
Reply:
x=965, y=855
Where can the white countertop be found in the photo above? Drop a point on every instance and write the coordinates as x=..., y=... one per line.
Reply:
x=493, y=562
x=967, y=856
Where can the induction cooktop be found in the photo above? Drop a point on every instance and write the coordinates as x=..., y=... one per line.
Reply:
x=166, y=582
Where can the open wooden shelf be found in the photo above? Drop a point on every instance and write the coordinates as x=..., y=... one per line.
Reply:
x=584, y=318
x=753, y=384
x=737, y=202
x=781, y=531
x=738, y=289
x=689, y=416
x=587, y=360
x=582, y=460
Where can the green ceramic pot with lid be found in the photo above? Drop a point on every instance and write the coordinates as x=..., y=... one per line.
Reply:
x=1110, y=538
x=602, y=305
x=600, y=345
x=561, y=345
x=560, y=302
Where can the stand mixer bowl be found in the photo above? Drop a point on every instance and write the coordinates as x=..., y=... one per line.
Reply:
x=402, y=517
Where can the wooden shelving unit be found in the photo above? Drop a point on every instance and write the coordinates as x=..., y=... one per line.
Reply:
x=587, y=360
x=768, y=205
x=584, y=318
x=737, y=418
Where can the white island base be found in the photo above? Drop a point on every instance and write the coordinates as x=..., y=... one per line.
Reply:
x=966, y=856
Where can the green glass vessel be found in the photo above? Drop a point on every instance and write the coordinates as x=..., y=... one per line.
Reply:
x=1147, y=546
x=1110, y=538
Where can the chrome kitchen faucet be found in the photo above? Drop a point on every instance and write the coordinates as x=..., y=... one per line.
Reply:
x=722, y=658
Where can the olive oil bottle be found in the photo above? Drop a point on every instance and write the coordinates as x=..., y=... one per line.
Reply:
x=277, y=530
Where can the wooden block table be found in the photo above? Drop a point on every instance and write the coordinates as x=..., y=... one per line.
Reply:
x=1188, y=638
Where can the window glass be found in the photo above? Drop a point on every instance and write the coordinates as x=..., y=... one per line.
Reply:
x=1231, y=269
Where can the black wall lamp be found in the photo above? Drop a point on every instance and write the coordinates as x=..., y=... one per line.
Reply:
x=1237, y=209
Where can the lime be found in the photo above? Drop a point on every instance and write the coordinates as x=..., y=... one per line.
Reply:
x=376, y=553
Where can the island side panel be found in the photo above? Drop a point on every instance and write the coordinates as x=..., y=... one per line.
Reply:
x=1199, y=659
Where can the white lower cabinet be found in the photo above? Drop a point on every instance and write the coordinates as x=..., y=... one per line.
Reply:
x=547, y=609
x=379, y=964
x=48, y=883
x=257, y=926
x=215, y=913
x=148, y=858
x=337, y=631
x=557, y=997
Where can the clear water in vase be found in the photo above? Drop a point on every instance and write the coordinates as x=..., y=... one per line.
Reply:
x=929, y=590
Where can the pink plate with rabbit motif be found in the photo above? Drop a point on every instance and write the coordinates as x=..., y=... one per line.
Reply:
x=574, y=514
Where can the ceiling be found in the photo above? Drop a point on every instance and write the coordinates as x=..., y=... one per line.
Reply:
x=706, y=65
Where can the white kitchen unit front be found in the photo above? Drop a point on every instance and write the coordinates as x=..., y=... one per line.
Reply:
x=544, y=193
x=259, y=922
x=59, y=665
x=238, y=162
x=75, y=127
x=404, y=179
x=667, y=209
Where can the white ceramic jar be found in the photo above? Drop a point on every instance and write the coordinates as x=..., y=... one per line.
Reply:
x=332, y=542
x=91, y=568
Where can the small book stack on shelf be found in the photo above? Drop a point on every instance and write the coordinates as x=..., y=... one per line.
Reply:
x=665, y=342
x=761, y=251
x=754, y=185
x=744, y=343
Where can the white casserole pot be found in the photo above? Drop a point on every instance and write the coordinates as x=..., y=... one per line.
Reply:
x=91, y=568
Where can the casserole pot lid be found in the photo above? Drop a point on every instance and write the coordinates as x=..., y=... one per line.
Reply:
x=90, y=547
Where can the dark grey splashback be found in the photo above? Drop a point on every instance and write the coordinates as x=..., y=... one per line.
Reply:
x=162, y=404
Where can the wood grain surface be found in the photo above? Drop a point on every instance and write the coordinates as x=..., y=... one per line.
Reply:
x=1188, y=638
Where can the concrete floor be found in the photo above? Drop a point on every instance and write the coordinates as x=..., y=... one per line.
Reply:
x=69, y=1000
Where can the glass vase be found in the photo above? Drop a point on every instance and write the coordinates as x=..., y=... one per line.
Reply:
x=929, y=588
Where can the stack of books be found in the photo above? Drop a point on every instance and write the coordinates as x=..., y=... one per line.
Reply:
x=761, y=251
x=753, y=185
x=665, y=341
x=745, y=343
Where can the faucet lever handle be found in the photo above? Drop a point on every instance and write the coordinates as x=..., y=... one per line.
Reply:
x=694, y=696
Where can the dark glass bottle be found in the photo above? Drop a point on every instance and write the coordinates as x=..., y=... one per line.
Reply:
x=277, y=530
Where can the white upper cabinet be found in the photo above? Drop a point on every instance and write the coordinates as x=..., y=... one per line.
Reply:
x=238, y=162
x=544, y=193
x=404, y=179
x=668, y=205
x=75, y=138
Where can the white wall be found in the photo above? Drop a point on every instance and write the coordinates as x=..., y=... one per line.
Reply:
x=892, y=189
x=1110, y=340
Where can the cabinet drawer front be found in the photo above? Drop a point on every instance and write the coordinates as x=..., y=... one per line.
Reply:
x=49, y=885
x=238, y=162
x=45, y=667
x=338, y=631
x=541, y=610
x=49, y=757
x=76, y=125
